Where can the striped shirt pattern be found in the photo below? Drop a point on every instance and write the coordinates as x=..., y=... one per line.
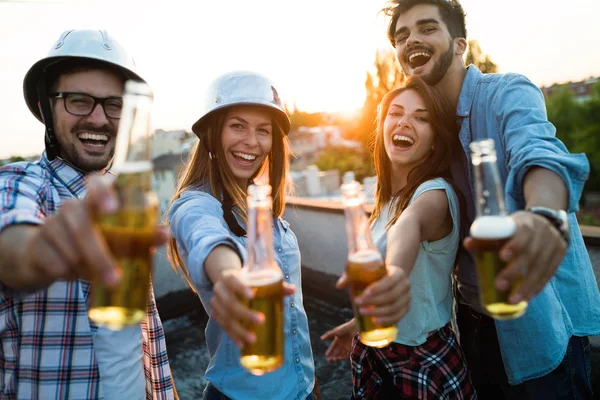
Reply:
x=46, y=337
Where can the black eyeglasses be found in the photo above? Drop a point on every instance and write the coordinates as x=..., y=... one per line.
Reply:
x=82, y=104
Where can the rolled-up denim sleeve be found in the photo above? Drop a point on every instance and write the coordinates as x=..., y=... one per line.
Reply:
x=197, y=225
x=530, y=140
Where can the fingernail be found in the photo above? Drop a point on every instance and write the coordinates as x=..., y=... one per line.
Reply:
x=506, y=255
x=362, y=310
x=249, y=293
x=251, y=338
x=358, y=301
x=258, y=319
x=502, y=284
x=111, y=277
x=516, y=298
x=109, y=204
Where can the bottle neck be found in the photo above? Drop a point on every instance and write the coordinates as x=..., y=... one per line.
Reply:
x=260, y=237
x=489, y=189
x=357, y=229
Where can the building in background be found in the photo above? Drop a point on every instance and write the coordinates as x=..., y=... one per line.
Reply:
x=581, y=90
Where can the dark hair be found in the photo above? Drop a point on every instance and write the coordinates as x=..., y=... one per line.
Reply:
x=445, y=143
x=71, y=65
x=451, y=12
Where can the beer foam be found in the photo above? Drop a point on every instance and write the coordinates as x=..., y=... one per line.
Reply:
x=365, y=256
x=262, y=278
x=493, y=227
x=132, y=167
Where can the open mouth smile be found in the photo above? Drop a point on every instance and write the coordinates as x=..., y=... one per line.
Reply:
x=402, y=141
x=419, y=58
x=93, y=140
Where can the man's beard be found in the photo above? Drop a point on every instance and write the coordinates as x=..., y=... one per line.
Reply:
x=440, y=67
x=70, y=153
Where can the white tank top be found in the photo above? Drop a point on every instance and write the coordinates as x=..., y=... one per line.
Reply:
x=430, y=278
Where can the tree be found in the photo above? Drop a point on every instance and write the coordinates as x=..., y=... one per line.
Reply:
x=565, y=115
x=345, y=159
x=587, y=137
x=578, y=127
x=476, y=57
x=386, y=76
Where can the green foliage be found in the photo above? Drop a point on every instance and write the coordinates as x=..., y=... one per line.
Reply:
x=476, y=57
x=344, y=159
x=578, y=126
x=565, y=114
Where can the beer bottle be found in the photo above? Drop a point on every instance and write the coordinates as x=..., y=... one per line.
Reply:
x=492, y=228
x=129, y=232
x=365, y=264
x=262, y=274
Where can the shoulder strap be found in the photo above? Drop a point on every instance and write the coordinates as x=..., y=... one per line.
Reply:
x=232, y=223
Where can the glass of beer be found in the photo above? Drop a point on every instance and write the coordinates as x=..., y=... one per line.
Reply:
x=491, y=229
x=129, y=232
x=262, y=274
x=365, y=265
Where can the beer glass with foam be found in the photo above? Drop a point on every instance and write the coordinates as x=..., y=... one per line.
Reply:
x=492, y=228
x=130, y=231
x=262, y=274
x=365, y=264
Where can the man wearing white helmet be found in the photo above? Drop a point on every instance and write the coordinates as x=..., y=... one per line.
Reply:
x=49, y=249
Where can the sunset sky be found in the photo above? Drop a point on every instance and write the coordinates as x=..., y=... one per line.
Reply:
x=316, y=50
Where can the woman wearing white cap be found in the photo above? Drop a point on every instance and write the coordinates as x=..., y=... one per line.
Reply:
x=243, y=132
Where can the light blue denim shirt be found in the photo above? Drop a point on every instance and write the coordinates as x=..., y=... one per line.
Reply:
x=509, y=109
x=198, y=226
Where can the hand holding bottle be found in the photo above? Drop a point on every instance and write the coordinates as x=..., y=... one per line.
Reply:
x=229, y=304
x=387, y=299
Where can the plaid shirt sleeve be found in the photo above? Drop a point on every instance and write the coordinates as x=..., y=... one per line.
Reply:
x=24, y=196
x=159, y=382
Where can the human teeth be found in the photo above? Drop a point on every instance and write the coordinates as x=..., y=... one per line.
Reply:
x=405, y=138
x=92, y=136
x=417, y=54
x=245, y=156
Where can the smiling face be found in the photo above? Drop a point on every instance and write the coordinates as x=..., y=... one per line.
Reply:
x=424, y=45
x=247, y=138
x=408, y=135
x=87, y=142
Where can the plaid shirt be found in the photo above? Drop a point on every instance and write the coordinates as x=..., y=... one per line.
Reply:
x=435, y=370
x=46, y=337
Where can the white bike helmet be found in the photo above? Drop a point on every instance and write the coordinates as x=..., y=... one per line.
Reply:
x=83, y=44
x=241, y=88
x=90, y=44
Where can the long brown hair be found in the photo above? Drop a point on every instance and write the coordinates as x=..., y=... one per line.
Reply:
x=436, y=165
x=200, y=169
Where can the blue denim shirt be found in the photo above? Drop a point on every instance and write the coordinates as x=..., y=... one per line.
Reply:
x=198, y=226
x=511, y=110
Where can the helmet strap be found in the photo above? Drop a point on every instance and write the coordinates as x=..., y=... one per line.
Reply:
x=52, y=147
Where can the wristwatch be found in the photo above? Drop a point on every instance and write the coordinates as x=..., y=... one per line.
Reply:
x=558, y=219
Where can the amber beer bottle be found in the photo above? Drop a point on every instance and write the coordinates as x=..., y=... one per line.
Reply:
x=492, y=228
x=262, y=274
x=365, y=264
x=130, y=231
